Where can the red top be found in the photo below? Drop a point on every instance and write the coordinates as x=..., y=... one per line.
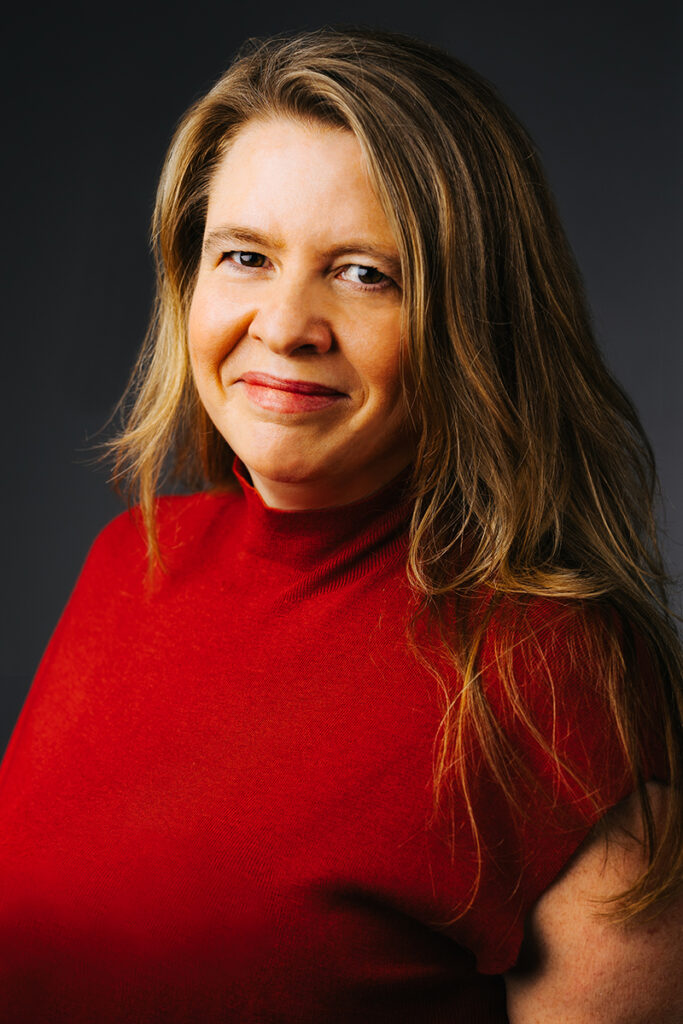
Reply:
x=214, y=804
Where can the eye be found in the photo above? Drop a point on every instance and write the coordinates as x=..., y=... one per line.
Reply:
x=241, y=258
x=369, y=277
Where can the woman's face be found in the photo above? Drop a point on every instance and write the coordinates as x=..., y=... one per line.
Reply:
x=294, y=326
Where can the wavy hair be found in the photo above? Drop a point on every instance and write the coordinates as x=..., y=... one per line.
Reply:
x=533, y=477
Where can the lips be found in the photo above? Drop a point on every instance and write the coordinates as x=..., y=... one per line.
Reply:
x=297, y=387
x=289, y=398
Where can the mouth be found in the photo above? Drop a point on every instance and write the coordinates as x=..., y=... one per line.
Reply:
x=296, y=387
x=280, y=395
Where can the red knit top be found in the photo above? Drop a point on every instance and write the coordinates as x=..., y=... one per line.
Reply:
x=214, y=806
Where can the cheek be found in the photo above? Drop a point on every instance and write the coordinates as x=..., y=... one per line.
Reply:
x=213, y=329
x=379, y=360
x=199, y=329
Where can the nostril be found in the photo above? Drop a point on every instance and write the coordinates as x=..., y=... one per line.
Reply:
x=309, y=347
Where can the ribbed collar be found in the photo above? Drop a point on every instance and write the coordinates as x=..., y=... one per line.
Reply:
x=341, y=537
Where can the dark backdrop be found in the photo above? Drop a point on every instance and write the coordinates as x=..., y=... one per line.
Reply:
x=91, y=99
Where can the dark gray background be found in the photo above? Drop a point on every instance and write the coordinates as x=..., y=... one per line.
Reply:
x=91, y=99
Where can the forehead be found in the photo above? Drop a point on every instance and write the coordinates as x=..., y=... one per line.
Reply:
x=285, y=175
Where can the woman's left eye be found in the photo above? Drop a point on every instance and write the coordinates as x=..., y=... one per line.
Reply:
x=370, y=276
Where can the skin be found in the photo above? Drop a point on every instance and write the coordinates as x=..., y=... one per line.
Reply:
x=319, y=300
x=300, y=280
x=577, y=966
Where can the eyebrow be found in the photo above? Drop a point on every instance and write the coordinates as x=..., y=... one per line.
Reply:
x=217, y=238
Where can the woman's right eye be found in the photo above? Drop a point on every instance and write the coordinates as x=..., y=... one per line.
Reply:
x=245, y=259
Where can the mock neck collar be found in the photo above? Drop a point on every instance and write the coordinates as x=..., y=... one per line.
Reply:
x=340, y=534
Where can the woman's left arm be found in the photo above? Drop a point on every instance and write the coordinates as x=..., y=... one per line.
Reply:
x=578, y=967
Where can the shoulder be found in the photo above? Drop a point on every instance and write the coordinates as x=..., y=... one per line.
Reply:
x=581, y=668
x=570, y=685
x=553, y=650
x=183, y=523
x=535, y=627
x=114, y=583
x=551, y=760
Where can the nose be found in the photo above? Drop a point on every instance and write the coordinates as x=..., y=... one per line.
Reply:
x=291, y=318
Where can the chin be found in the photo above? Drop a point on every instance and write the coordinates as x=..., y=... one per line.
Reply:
x=284, y=467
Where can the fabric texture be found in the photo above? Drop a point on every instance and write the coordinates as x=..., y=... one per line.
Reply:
x=215, y=803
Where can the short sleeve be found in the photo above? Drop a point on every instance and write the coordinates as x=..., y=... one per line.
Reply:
x=571, y=770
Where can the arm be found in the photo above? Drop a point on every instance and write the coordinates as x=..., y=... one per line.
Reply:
x=577, y=967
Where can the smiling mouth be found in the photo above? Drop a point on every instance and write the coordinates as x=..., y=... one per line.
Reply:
x=296, y=387
x=279, y=395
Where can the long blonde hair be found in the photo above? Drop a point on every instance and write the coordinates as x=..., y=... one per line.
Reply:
x=533, y=477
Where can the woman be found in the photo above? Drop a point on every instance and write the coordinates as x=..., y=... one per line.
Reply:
x=423, y=527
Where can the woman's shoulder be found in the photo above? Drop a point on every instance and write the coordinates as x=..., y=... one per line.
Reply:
x=556, y=650
x=554, y=671
x=550, y=631
x=181, y=521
